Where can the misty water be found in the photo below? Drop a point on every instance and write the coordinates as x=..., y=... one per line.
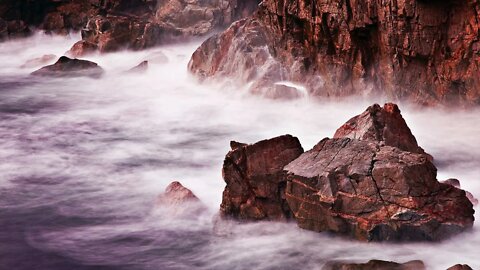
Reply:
x=84, y=160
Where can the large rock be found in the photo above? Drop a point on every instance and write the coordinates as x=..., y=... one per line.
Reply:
x=255, y=179
x=67, y=67
x=375, y=265
x=456, y=183
x=373, y=182
x=404, y=50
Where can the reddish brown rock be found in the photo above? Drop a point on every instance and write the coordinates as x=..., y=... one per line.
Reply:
x=375, y=265
x=66, y=67
x=456, y=183
x=427, y=52
x=385, y=125
x=460, y=267
x=176, y=194
x=255, y=179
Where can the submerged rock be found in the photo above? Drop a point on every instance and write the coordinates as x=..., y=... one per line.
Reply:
x=460, y=267
x=67, y=67
x=178, y=201
x=140, y=68
x=255, y=181
x=375, y=265
x=39, y=61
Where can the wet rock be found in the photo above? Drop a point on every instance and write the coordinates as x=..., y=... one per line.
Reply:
x=364, y=188
x=179, y=201
x=404, y=50
x=255, y=179
x=39, y=61
x=375, y=265
x=67, y=67
x=460, y=267
x=140, y=68
x=456, y=183
x=82, y=48
x=385, y=125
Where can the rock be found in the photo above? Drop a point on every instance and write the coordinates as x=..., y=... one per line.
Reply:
x=460, y=267
x=140, y=68
x=39, y=61
x=385, y=125
x=375, y=265
x=157, y=58
x=402, y=50
x=374, y=185
x=82, y=48
x=456, y=183
x=66, y=67
x=179, y=202
x=255, y=179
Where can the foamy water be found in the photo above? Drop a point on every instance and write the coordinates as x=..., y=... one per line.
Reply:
x=83, y=161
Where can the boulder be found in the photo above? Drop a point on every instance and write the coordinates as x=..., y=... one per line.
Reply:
x=255, y=179
x=39, y=61
x=67, y=67
x=179, y=202
x=375, y=265
x=140, y=68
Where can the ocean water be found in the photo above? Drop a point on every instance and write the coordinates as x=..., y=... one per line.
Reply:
x=84, y=160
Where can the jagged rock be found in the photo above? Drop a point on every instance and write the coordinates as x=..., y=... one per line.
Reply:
x=375, y=265
x=385, y=125
x=404, y=50
x=460, y=267
x=178, y=201
x=255, y=180
x=140, y=68
x=456, y=183
x=82, y=48
x=66, y=67
x=373, y=182
x=39, y=61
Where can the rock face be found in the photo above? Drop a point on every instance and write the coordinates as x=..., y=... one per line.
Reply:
x=371, y=182
x=255, y=180
x=456, y=183
x=66, y=67
x=427, y=52
x=375, y=265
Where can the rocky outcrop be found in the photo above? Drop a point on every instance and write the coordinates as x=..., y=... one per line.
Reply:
x=427, y=52
x=67, y=67
x=255, y=179
x=375, y=265
x=371, y=182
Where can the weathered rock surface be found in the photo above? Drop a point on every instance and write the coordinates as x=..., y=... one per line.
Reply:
x=180, y=202
x=67, y=67
x=427, y=52
x=375, y=265
x=385, y=125
x=255, y=180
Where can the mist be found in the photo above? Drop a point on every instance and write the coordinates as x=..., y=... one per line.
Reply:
x=83, y=161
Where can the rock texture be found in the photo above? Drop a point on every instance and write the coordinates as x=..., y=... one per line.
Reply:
x=179, y=202
x=255, y=180
x=456, y=183
x=371, y=182
x=67, y=67
x=375, y=265
x=427, y=52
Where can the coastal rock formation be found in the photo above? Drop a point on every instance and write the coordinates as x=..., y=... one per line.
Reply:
x=67, y=67
x=371, y=182
x=456, y=183
x=255, y=179
x=375, y=265
x=427, y=52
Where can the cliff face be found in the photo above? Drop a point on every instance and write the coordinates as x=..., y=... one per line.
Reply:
x=425, y=51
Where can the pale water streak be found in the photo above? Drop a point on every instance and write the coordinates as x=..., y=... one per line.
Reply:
x=83, y=160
